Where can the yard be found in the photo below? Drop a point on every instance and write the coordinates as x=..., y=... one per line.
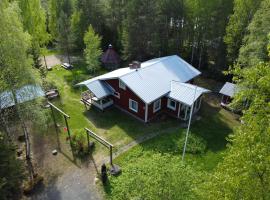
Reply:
x=152, y=169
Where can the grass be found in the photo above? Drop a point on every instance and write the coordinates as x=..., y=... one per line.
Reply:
x=112, y=124
x=150, y=168
x=164, y=153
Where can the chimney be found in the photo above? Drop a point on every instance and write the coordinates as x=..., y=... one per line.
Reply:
x=135, y=65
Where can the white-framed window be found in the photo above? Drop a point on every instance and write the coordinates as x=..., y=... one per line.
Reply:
x=116, y=94
x=133, y=105
x=157, y=105
x=122, y=85
x=171, y=104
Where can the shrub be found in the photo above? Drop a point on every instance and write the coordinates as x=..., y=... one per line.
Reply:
x=79, y=144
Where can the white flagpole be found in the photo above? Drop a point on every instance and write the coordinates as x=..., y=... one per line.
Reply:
x=189, y=122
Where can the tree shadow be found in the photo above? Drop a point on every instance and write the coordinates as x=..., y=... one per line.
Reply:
x=46, y=192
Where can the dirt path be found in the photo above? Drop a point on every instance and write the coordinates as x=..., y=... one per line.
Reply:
x=65, y=177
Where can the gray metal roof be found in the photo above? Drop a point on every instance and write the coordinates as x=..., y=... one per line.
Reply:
x=228, y=89
x=99, y=88
x=185, y=92
x=153, y=79
x=24, y=94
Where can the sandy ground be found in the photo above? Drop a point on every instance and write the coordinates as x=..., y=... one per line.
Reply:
x=53, y=60
x=65, y=177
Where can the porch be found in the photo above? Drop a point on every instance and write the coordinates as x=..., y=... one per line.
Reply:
x=185, y=97
x=184, y=109
x=89, y=99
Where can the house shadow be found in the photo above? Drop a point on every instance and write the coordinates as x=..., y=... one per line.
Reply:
x=211, y=128
x=124, y=124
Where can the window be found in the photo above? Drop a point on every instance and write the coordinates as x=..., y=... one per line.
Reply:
x=133, y=105
x=157, y=105
x=171, y=104
x=116, y=94
x=122, y=85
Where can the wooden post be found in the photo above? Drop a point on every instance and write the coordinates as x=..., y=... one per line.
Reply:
x=88, y=140
x=45, y=62
x=68, y=131
x=56, y=128
x=111, y=156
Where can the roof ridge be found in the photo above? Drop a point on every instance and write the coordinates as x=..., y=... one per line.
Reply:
x=161, y=59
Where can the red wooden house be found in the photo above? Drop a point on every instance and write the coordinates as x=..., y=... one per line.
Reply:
x=146, y=89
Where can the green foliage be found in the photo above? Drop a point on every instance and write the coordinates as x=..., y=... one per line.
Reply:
x=34, y=22
x=195, y=145
x=254, y=48
x=244, y=173
x=154, y=176
x=92, y=52
x=79, y=143
x=15, y=68
x=11, y=170
x=87, y=12
x=236, y=29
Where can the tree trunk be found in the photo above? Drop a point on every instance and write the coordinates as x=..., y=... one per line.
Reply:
x=44, y=57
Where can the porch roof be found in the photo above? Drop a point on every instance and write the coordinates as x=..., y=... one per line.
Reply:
x=184, y=92
x=99, y=88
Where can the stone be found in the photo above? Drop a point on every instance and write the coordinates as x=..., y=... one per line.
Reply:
x=54, y=152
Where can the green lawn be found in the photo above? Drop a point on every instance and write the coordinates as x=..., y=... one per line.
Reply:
x=157, y=162
x=153, y=169
x=112, y=124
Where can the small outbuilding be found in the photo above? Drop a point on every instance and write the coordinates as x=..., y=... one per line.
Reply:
x=228, y=91
x=110, y=59
x=23, y=94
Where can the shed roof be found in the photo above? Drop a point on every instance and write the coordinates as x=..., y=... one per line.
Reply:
x=185, y=92
x=228, y=89
x=156, y=72
x=24, y=94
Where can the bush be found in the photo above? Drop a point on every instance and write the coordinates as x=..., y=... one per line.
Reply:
x=79, y=144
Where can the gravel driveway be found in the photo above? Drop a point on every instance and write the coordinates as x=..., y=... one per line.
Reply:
x=53, y=60
x=65, y=178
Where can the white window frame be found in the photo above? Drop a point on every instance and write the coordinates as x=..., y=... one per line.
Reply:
x=116, y=94
x=122, y=85
x=130, y=105
x=154, y=105
x=169, y=104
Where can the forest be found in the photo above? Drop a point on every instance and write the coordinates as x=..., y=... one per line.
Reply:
x=228, y=40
